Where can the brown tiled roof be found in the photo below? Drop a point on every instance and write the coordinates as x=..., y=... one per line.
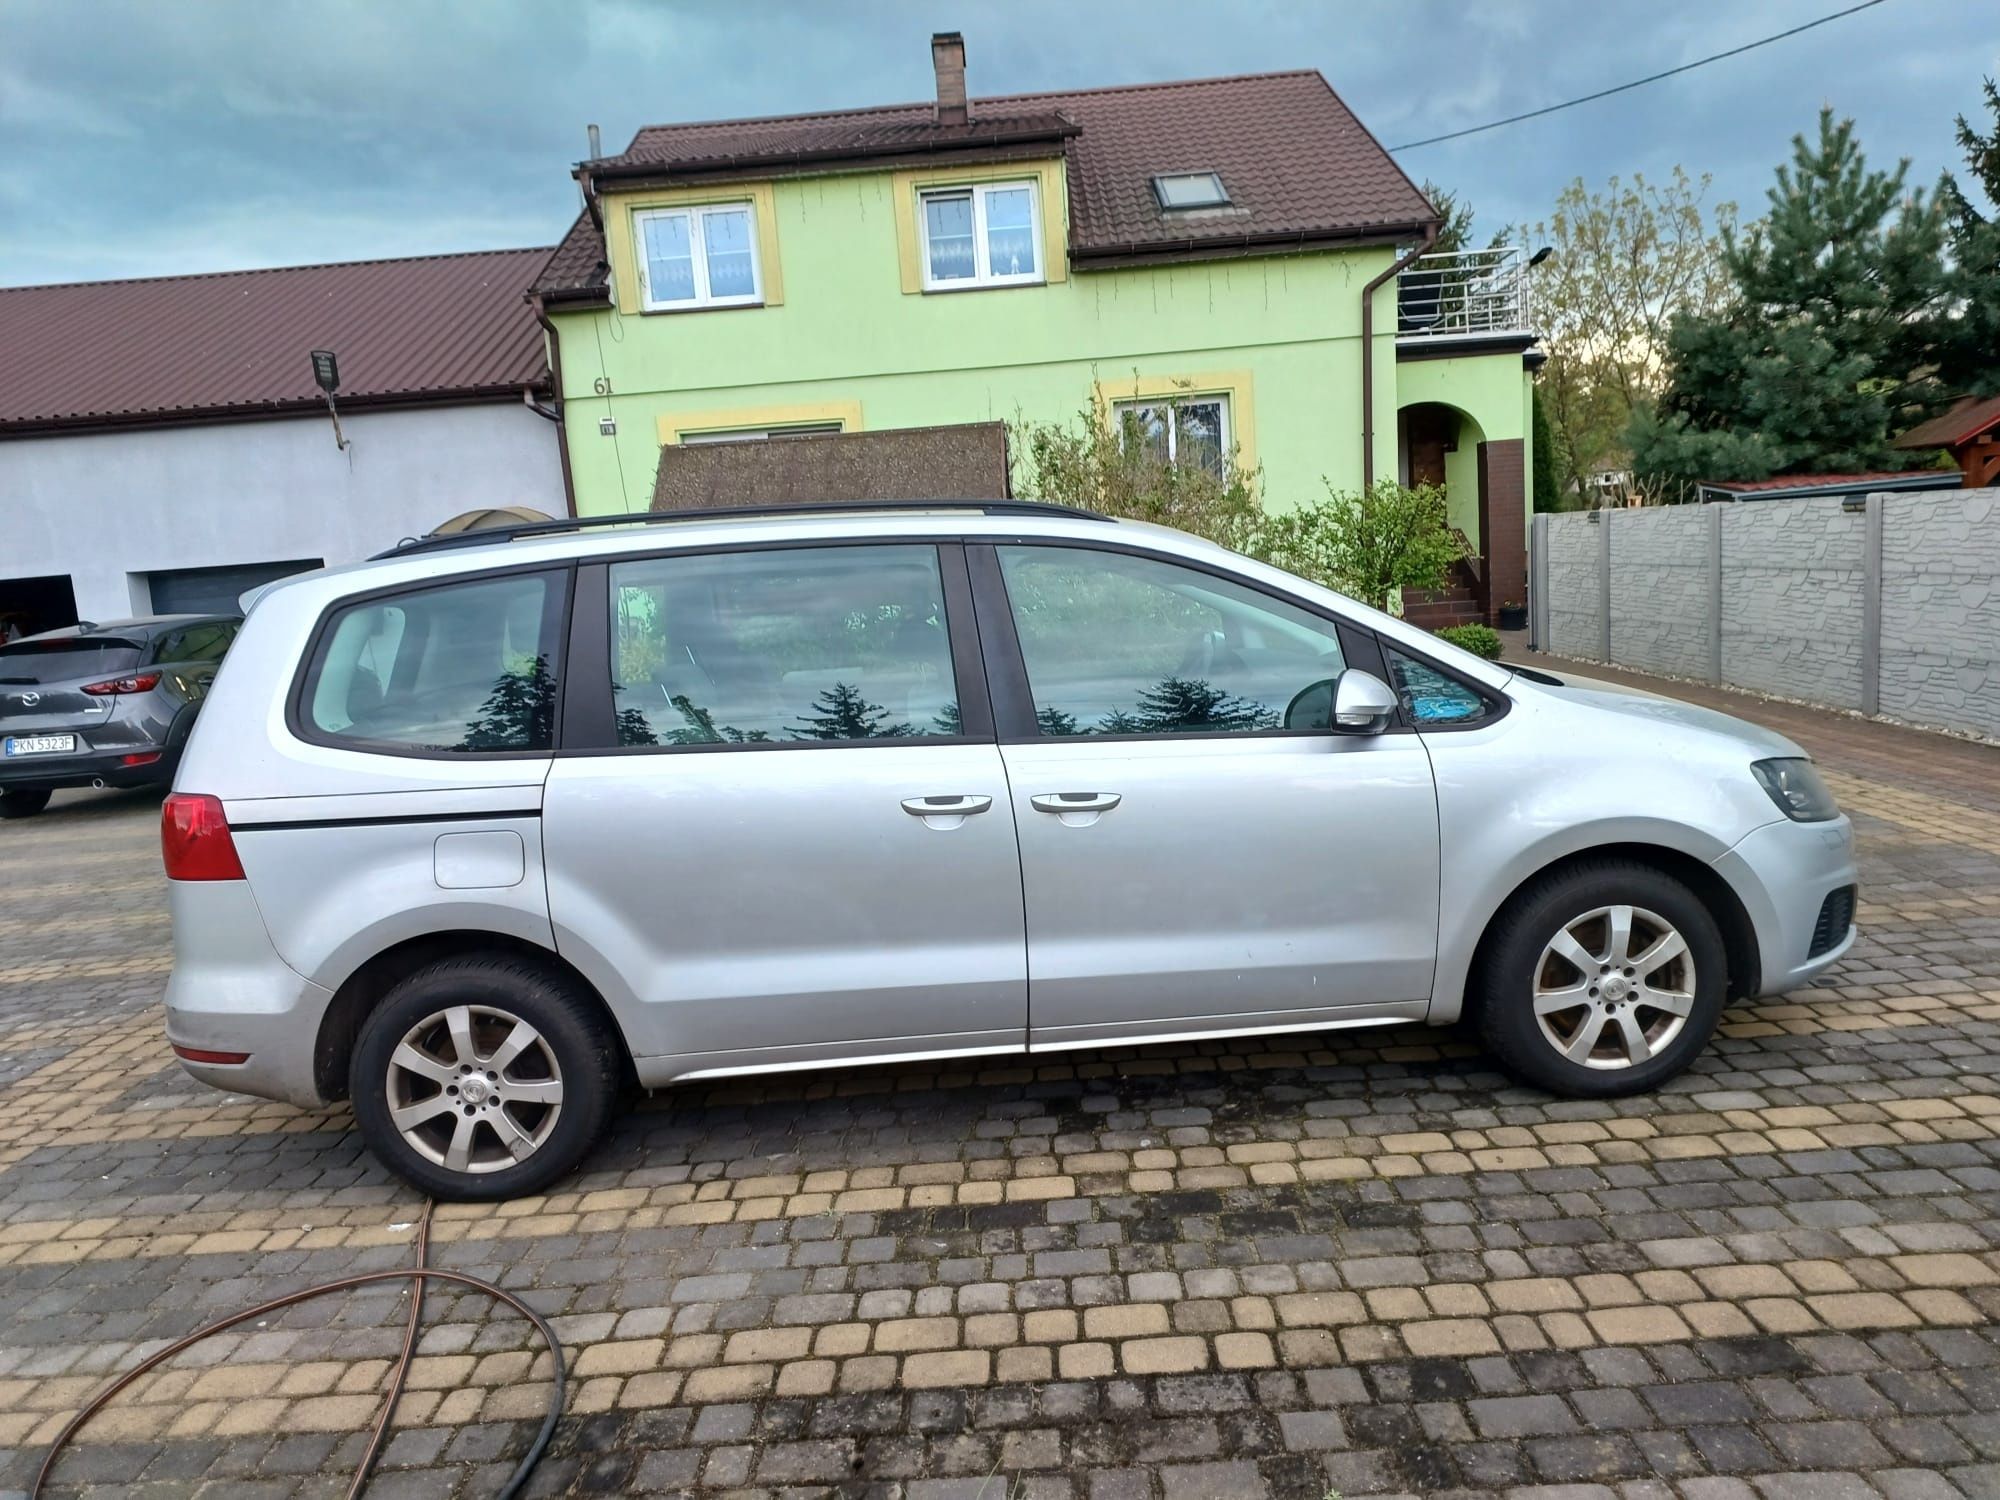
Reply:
x=1961, y=424
x=1298, y=167
x=1898, y=478
x=233, y=344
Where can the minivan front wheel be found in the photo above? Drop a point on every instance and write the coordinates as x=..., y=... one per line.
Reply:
x=483, y=1078
x=1603, y=979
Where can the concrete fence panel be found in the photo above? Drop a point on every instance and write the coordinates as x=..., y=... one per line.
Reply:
x=1889, y=607
x=1791, y=598
x=1576, y=621
x=1940, y=659
x=1659, y=592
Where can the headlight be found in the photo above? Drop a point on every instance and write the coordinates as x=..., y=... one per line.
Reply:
x=1795, y=786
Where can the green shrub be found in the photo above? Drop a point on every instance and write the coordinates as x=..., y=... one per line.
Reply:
x=1480, y=640
x=1366, y=543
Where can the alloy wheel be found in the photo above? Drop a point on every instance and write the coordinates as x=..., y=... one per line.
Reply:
x=1614, y=987
x=474, y=1089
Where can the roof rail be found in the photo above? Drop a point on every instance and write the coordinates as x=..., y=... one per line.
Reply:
x=488, y=534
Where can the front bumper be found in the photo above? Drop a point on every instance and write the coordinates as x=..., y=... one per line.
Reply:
x=1783, y=872
x=50, y=773
x=230, y=992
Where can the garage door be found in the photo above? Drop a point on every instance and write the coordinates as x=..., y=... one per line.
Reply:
x=214, y=591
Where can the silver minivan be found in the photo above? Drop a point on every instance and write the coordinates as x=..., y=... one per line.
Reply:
x=485, y=832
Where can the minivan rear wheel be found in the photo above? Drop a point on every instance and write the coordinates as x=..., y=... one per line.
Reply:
x=482, y=1078
x=1603, y=979
x=22, y=804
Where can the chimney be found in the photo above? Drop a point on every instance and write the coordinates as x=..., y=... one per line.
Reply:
x=948, y=58
x=596, y=142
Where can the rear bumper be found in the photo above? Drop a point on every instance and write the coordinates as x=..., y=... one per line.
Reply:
x=50, y=773
x=1783, y=872
x=230, y=992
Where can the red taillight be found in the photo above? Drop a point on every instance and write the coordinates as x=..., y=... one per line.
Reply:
x=203, y=1055
x=111, y=687
x=195, y=841
x=143, y=758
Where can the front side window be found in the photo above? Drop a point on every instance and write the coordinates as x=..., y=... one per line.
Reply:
x=698, y=257
x=464, y=667
x=786, y=646
x=986, y=235
x=1183, y=430
x=1116, y=644
x=1430, y=697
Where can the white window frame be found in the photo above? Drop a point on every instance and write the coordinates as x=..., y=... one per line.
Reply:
x=696, y=217
x=1135, y=404
x=982, y=272
x=777, y=430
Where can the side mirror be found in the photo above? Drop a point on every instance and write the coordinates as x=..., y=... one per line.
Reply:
x=1362, y=703
x=1352, y=703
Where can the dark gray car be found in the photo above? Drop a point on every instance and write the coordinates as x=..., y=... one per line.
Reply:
x=102, y=704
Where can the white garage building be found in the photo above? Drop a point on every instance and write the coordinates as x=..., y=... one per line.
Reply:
x=163, y=445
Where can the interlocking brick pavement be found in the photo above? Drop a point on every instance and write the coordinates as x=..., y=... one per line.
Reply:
x=1364, y=1263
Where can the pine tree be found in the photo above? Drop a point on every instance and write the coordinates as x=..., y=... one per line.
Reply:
x=1547, y=459
x=519, y=714
x=1052, y=720
x=1969, y=343
x=1178, y=704
x=1828, y=345
x=845, y=715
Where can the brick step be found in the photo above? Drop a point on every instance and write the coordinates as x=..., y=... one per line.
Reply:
x=1434, y=608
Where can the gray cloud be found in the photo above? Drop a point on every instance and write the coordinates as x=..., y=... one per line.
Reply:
x=144, y=139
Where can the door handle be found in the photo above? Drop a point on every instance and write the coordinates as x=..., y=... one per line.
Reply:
x=1075, y=802
x=946, y=807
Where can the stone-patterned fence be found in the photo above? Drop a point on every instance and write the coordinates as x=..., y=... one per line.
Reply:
x=1890, y=606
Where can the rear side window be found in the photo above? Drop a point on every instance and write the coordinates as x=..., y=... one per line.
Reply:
x=204, y=642
x=786, y=646
x=463, y=667
x=37, y=662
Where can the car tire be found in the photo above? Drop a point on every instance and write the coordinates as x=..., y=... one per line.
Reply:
x=22, y=804
x=484, y=1077
x=1559, y=1012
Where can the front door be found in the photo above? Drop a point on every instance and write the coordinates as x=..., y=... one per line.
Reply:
x=1192, y=862
x=798, y=847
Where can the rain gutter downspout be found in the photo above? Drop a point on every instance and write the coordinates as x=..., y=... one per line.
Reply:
x=1368, y=351
x=556, y=397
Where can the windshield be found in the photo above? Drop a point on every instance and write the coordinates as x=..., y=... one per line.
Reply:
x=63, y=660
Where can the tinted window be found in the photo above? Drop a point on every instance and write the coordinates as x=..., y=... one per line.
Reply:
x=467, y=666
x=783, y=646
x=1430, y=697
x=1116, y=644
x=204, y=642
x=62, y=660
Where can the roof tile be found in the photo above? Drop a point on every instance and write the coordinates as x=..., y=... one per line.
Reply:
x=235, y=342
x=1296, y=163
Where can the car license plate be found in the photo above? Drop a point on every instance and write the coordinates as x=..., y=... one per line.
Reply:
x=40, y=744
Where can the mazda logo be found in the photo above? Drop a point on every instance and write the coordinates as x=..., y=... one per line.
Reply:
x=29, y=700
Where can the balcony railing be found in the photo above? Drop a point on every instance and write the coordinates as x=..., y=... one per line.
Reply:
x=1465, y=293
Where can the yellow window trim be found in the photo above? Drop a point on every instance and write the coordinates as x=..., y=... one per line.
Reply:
x=1054, y=210
x=673, y=424
x=621, y=246
x=1235, y=384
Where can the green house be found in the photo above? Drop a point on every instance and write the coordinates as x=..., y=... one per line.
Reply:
x=1235, y=264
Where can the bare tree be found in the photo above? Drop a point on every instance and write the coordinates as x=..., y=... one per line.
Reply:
x=1627, y=260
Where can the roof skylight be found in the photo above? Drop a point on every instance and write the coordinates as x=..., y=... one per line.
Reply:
x=1191, y=190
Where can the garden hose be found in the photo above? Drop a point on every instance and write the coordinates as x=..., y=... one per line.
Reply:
x=421, y=1272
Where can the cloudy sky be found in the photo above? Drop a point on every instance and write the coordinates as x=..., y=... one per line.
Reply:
x=144, y=139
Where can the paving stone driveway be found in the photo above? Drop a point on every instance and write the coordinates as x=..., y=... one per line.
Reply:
x=1364, y=1264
